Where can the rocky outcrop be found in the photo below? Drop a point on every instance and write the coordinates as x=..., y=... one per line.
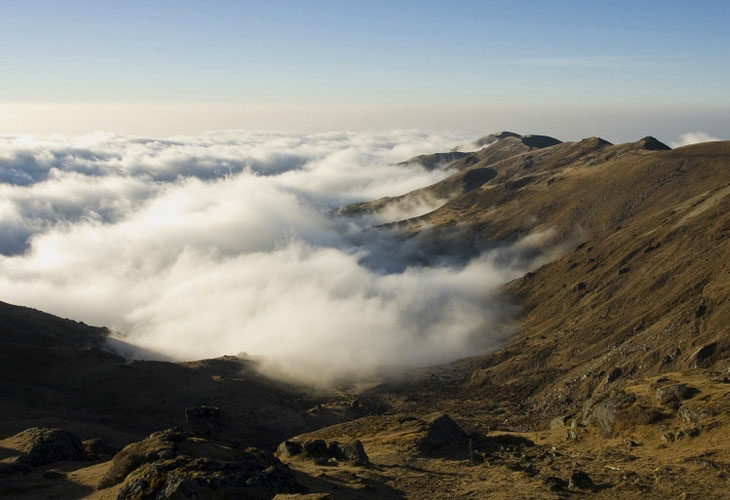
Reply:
x=157, y=446
x=43, y=446
x=258, y=476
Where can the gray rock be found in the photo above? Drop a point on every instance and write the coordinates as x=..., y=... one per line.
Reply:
x=602, y=413
x=42, y=446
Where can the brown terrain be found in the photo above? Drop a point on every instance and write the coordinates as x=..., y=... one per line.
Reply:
x=614, y=384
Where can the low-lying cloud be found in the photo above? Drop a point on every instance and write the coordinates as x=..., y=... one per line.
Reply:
x=692, y=138
x=225, y=243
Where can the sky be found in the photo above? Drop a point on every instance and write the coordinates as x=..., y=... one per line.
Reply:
x=567, y=68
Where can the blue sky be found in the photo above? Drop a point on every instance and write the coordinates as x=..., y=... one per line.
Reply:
x=352, y=64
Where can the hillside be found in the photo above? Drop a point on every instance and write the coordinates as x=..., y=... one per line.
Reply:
x=614, y=384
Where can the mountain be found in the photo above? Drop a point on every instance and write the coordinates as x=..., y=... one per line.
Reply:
x=472, y=170
x=615, y=382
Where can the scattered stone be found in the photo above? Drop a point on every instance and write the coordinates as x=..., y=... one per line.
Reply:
x=669, y=437
x=42, y=446
x=204, y=420
x=303, y=496
x=630, y=443
x=580, y=286
x=571, y=434
x=580, y=480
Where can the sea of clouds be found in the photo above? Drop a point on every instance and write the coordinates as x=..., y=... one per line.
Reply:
x=224, y=243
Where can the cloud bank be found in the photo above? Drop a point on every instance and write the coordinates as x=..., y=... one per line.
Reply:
x=692, y=138
x=224, y=243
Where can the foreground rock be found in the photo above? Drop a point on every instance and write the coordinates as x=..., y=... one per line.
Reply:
x=255, y=477
x=175, y=465
x=157, y=446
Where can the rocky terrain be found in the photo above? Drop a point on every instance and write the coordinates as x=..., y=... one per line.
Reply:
x=614, y=384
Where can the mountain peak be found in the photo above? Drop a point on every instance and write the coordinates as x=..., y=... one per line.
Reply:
x=652, y=144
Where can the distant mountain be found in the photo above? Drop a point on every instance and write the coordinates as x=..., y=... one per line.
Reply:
x=505, y=145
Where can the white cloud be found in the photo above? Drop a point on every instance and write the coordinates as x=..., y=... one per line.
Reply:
x=223, y=243
x=692, y=138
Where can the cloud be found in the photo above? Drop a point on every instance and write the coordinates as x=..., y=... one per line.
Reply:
x=224, y=243
x=692, y=138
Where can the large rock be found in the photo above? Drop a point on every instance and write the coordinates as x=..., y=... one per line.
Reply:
x=289, y=449
x=157, y=446
x=257, y=476
x=43, y=446
x=603, y=413
x=443, y=434
x=673, y=395
x=350, y=451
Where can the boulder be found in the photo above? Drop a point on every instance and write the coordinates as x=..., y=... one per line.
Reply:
x=289, y=448
x=581, y=480
x=602, y=413
x=442, y=434
x=673, y=395
x=42, y=446
x=351, y=451
x=315, y=448
x=205, y=421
